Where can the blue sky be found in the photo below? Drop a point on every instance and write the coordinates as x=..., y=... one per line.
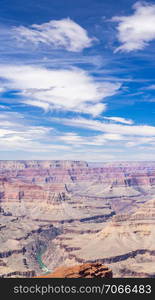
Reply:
x=77, y=80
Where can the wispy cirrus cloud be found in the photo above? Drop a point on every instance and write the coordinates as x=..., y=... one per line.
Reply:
x=71, y=90
x=110, y=137
x=64, y=33
x=137, y=30
x=75, y=139
x=19, y=134
x=120, y=120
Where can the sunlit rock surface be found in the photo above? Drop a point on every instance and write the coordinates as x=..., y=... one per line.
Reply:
x=89, y=270
x=63, y=213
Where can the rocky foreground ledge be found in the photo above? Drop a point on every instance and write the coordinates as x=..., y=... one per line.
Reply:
x=88, y=270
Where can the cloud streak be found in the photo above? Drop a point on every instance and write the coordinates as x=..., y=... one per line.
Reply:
x=120, y=120
x=127, y=130
x=137, y=30
x=16, y=133
x=61, y=89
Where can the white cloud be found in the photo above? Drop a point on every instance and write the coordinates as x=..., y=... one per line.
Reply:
x=92, y=109
x=141, y=141
x=73, y=138
x=17, y=134
x=4, y=107
x=63, y=33
x=137, y=30
x=119, y=120
x=113, y=136
x=77, y=140
x=125, y=130
x=72, y=90
x=44, y=105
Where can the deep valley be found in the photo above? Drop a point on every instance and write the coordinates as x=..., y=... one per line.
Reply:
x=64, y=213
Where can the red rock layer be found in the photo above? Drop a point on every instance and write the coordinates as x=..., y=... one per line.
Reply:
x=88, y=270
x=41, y=180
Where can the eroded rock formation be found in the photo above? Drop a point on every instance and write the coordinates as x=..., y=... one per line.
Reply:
x=55, y=213
x=89, y=270
x=44, y=180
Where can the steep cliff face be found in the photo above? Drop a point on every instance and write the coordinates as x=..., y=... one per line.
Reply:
x=126, y=243
x=40, y=164
x=89, y=270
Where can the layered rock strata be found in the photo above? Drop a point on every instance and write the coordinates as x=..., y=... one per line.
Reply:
x=126, y=243
x=89, y=270
x=62, y=213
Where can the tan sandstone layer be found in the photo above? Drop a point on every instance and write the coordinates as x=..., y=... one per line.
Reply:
x=89, y=270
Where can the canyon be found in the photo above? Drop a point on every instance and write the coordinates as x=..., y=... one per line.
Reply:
x=88, y=270
x=59, y=214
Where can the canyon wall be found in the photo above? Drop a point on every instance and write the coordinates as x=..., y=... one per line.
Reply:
x=46, y=181
x=64, y=213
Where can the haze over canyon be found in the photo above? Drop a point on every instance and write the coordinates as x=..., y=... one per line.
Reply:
x=64, y=213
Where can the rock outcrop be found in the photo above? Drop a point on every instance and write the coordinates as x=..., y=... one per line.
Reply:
x=126, y=243
x=89, y=270
x=55, y=213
